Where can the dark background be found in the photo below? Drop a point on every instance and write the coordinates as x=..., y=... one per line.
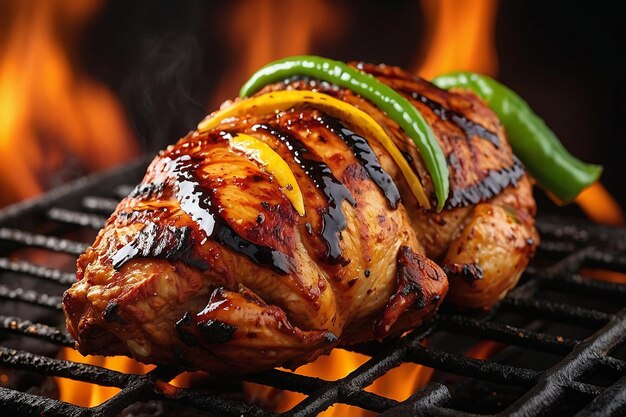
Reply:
x=564, y=57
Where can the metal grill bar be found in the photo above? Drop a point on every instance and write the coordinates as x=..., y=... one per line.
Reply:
x=30, y=297
x=552, y=383
x=99, y=204
x=566, y=247
x=556, y=311
x=76, y=217
x=478, y=368
x=16, y=359
x=27, y=268
x=17, y=325
x=41, y=241
x=506, y=334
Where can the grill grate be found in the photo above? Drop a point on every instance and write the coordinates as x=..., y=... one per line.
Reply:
x=570, y=326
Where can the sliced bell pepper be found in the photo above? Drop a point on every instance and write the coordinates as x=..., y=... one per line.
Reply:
x=276, y=166
x=360, y=121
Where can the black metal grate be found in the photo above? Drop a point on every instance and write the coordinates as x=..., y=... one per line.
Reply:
x=562, y=335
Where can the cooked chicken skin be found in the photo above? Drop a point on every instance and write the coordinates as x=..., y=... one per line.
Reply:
x=208, y=265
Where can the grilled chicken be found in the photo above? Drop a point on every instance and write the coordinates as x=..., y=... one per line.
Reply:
x=207, y=264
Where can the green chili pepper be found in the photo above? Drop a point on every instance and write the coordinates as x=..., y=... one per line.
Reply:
x=387, y=99
x=532, y=141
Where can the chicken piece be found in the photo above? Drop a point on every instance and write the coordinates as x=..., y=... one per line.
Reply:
x=208, y=265
x=486, y=234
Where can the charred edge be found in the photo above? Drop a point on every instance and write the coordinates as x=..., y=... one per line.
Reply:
x=215, y=331
x=366, y=157
x=196, y=201
x=182, y=330
x=471, y=272
x=110, y=313
x=333, y=218
x=469, y=128
x=411, y=271
x=146, y=191
x=492, y=185
x=155, y=241
x=409, y=291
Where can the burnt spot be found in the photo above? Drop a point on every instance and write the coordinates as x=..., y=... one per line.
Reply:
x=490, y=186
x=146, y=191
x=309, y=228
x=352, y=282
x=215, y=331
x=467, y=126
x=184, y=330
x=110, y=313
x=412, y=270
x=260, y=218
x=157, y=241
x=471, y=272
x=435, y=299
x=367, y=273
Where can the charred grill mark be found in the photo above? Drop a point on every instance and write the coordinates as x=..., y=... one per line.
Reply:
x=494, y=182
x=156, y=241
x=196, y=201
x=366, y=157
x=146, y=191
x=471, y=272
x=469, y=128
x=333, y=218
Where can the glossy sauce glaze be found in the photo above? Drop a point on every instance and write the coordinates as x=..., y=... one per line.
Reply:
x=366, y=157
x=333, y=218
x=196, y=200
x=468, y=127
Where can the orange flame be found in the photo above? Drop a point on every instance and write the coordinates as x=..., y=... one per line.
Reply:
x=87, y=394
x=600, y=206
x=49, y=112
x=460, y=35
x=265, y=30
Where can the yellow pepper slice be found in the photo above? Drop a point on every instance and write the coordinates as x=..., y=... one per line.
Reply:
x=362, y=122
x=273, y=163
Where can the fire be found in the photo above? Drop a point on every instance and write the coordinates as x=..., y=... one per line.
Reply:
x=262, y=31
x=52, y=116
x=600, y=206
x=87, y=394
x=460, y=35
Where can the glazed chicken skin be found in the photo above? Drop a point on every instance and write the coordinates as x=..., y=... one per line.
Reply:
x=208, y=265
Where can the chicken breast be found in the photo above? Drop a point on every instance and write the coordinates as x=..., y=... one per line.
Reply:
x=208, y=265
